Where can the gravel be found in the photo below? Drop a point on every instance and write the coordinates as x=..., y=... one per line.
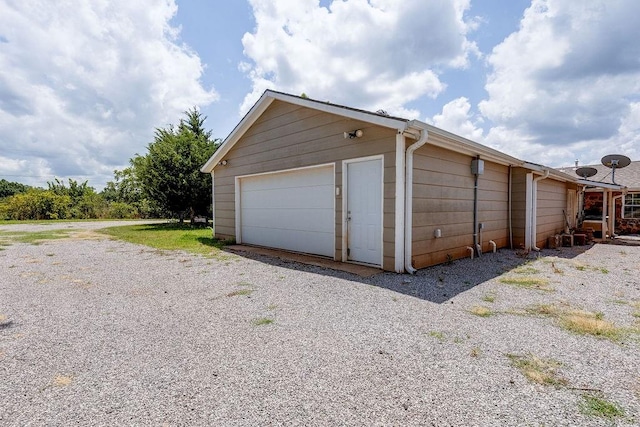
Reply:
x=96, y=331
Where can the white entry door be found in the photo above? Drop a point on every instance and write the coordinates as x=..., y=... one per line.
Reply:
x=364, y=211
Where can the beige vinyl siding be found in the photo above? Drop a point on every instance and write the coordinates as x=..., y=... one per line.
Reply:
x=552, y=200
x=288, y=136
x=518, y=205
x=443, y=193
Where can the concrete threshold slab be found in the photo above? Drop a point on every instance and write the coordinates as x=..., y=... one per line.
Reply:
x=360, y=270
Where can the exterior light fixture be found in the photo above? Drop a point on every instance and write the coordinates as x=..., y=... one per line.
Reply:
x=223, y=163
x=354, y=134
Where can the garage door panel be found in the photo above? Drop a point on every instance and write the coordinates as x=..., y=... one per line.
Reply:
x=315, y=197
x=291, y=210
x=317, y=220
x=297, y=241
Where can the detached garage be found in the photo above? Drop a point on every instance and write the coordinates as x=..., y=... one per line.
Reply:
x=356, y=186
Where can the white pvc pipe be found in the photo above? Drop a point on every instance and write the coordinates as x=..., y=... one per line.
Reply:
x=471, y=251
x=494, y=247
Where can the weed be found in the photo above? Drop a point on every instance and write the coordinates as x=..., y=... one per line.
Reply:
x=437, y=334
x=240, y=292
x=262, y=321
x=526, y=269
x=528, y=282
x=475, y=352
x=604, y=270
x=556, y=269
x=272, y=307
x=620, y=302
x=578, y=321
x=598, y=407
x=481, y=311
x=449, y=260
x=538, y=370
x=586, y=323
x=489, y=298
x=580, y=267
x=543, y=310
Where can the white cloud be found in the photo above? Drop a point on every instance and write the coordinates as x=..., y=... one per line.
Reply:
x=564, y=85
x=456, y=117
x=83, y=84
x=370, y=54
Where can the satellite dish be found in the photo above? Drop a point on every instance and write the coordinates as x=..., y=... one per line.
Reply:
x=615, y=161
x=586, y=172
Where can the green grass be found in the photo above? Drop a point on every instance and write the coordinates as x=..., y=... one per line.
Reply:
x=262, y=321
x=489, y=298
x=34, y=237
x=595, y=406
x=437, y=334
x=170, y=236
x=526, y=269
x=482, y=311
x=528, y=282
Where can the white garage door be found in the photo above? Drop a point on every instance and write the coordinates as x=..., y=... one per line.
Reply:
x=291, y=210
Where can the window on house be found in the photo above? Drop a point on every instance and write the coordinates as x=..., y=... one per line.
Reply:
x=632, y=205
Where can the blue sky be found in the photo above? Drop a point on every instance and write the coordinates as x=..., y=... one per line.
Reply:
x=84, y=84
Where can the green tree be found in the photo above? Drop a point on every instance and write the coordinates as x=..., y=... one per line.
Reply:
x=169, y=174
x=85, y=202
x=126, y=198
x=8, y=188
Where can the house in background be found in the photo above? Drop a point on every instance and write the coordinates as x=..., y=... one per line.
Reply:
x=612, y=208
x=356, y=186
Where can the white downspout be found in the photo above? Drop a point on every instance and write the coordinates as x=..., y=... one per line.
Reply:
x=408, y=208
x=605, y=209
x=213, y=207
x=399, y=220
x=534, y=209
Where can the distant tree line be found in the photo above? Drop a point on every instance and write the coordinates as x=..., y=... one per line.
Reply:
x=164, y=183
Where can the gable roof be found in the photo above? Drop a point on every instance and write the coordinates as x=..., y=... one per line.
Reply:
x=270, y=95
x=625, y=177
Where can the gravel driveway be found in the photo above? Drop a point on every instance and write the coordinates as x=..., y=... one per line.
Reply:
x=96, y=331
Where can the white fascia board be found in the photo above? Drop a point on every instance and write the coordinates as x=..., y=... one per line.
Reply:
x=462, y=145
x=254, y=113
x=597, y=184
x=553, y=173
